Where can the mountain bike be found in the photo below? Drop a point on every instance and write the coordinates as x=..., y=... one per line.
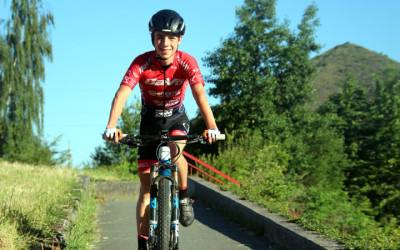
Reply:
x=164, y=192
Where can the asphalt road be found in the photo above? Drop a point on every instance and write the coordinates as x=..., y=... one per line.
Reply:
x=210, y=230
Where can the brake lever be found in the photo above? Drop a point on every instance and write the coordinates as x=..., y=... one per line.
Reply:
x=131, y=142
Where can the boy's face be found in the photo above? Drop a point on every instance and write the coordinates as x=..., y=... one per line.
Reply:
x=166, y=45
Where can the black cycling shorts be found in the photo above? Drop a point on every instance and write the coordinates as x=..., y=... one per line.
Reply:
x=151, y=125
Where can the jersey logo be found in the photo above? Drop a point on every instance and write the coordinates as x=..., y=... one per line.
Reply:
x=168, y=103
x=156, y=82
x=161, y=94
x=183, y=64
x=126, y=80
x=163, y=113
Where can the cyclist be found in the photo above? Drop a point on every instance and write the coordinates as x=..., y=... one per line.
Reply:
x=163, y=76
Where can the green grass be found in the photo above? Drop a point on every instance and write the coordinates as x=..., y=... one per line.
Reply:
x=111, y=173
x=84, y=230
x=33, y=199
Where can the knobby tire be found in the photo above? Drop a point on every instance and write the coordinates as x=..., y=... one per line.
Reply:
x=164, y=219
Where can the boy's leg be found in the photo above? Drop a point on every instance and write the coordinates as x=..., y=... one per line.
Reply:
x=142, y=207
x=186, y=216
x=181, y=162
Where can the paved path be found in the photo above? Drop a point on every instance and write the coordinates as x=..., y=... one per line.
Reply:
x=209, y=231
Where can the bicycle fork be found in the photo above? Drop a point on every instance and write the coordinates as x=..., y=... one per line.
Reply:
x=156, y=173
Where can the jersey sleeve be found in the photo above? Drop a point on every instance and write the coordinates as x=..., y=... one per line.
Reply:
x=132, y=75
x=195, y=77
x=190, y=65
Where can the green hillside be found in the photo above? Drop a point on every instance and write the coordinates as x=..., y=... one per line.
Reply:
x=334, y=66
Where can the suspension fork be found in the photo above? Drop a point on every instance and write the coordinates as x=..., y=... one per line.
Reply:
x=175, y=207
x=153, y=205
x=155, y=174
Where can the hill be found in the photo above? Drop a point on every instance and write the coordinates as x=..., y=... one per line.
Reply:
x=334, y=66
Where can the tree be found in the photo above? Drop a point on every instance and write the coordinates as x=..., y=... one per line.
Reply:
x=380, y=154
x=262, y=73
x=371, y=130
x=23, y=50
x=352, y=110
x=263, y=69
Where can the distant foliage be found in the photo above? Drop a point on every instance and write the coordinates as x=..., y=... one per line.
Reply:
x=335, y=65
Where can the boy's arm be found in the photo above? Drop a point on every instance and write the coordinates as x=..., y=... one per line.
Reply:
x=200, y=97
x=117, y=105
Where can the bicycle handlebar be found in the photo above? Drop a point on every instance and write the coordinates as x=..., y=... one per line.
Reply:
x=134, y=140
x=140, y=140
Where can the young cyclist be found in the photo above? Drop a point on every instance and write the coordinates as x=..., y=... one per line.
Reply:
x=163, y=76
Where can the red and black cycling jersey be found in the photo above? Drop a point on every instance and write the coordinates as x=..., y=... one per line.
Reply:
x=155, y=83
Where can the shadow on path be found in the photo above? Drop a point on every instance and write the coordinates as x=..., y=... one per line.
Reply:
x=221, y=230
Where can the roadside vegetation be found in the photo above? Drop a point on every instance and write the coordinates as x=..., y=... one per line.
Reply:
x=34, y=200
x=262, y=167
x=117, y=172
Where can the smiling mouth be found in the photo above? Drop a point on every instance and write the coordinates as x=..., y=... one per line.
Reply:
x=165, y=51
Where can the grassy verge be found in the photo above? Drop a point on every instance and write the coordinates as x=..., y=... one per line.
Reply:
x=84, y=229
x=120, y=172
x=34, y=199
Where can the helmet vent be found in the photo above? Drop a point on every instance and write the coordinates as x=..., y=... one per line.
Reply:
x=169, y=24
x=179, y=27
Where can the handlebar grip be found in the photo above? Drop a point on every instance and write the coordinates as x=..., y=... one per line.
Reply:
x=220, y=136
x=119, y=132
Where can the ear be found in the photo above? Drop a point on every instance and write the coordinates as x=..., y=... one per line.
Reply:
x=152, y=38
x=180, y=39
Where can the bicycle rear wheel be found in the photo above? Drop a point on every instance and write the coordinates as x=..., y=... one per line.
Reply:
x=164, y=215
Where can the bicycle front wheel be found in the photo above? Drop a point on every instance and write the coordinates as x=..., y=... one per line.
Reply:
x=164, y=215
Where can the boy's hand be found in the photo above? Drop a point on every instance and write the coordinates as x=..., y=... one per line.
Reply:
x=112, y=134
x=211, y=135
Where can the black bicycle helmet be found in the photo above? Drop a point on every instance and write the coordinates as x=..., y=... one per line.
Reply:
x=167, y=21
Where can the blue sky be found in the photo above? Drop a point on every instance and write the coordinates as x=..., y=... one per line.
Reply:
x=94, y=42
